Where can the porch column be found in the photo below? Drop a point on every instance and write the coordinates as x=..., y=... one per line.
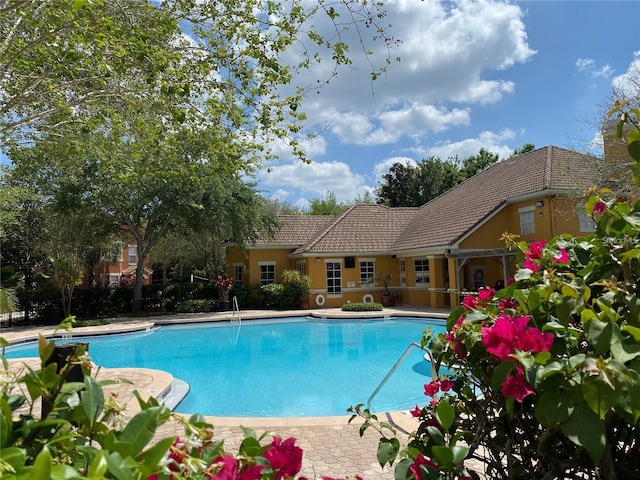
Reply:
x=436, y=282
x=454, y=287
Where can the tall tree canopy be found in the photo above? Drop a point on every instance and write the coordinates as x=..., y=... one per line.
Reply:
x=161, y=105
x=408, y=185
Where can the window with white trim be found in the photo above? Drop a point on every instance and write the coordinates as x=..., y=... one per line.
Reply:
x=527, y=220
x=421, y=266
x=334, y=278
x=301, y=267
x=238, y=270
x=267, y=273
x=403, y=273
x=367, y=271
x=587, y=224
x=132, y=254
x=114, y=280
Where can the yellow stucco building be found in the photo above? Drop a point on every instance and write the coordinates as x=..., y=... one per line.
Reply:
x=435, y=252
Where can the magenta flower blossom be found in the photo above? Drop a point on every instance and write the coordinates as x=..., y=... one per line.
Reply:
x=229, y=470
x=561, y=256
x=535, y=250
x=507, y=303
x=516, y=386
x=416, y=412
x=446, y=385
x=285, y=457
x=470, y=302
x=419, y=461
x=485, y=294
x=432, y=388
x=509, y=334
x=599, y=207
x=531, y=265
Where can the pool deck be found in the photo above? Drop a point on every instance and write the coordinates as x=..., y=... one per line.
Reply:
x=332, y=447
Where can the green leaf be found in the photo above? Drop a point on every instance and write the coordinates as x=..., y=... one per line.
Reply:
x=448, y=457
x=633, y=331
x=151, y=457
x=435, y=434
x=92, y=400
x=388, y=449
x=14, y=456
x=78, y=4
x=98, y=466
x=552, y=408
x=42, y=466
x=402, y=471
x=585, y=428
x=445, y=414
x=500, y=373
x=140, y=430
x=624, y=350
x=599, y=335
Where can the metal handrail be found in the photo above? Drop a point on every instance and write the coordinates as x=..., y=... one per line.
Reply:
x=236, y=310
x=434, y=372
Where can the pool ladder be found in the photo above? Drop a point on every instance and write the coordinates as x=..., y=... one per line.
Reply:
x=235, y=314
x=434, y=371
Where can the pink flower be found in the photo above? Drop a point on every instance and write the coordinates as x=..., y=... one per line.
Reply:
x=470, y=302
x=420, y=461
x=561, y=257
x=285, y=457
x=528, y=263
x=535, y=250
x=599, y=207
x=229, y=470
x=508, y=334
x=446, y=385
x=507, y=303
x=485, y=294
x=416, y=412
x=517, y=387
x=510, y=281
x=432, y=388
x=433, y=402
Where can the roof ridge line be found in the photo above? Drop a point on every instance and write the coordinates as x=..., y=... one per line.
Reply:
x=337, y=219
x=547, y=167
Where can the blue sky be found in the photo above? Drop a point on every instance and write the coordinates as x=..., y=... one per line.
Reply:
x=492, y=74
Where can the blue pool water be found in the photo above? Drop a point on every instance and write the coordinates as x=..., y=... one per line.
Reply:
x=277, y=368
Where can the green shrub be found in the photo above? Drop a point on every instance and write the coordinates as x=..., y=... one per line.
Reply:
x=362, y=307
x=249, y=296
x=281, y=296
x=196, y=306
x=91, y=323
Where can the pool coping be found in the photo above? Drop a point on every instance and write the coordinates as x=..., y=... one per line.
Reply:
x=161, y=383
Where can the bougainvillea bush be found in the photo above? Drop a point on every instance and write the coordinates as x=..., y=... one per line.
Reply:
x=541, y=379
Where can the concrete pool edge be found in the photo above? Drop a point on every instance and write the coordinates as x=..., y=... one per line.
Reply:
x=19, y=335
x=161, y=389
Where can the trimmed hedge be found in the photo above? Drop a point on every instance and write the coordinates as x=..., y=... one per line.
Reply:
x=361, y=307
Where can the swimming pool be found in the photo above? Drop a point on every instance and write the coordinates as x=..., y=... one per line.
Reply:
x=294, y=367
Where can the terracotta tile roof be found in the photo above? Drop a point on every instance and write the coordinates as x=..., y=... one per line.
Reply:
x=363, y=228
x=444, y=220
x=366, y=228
x=298, y=230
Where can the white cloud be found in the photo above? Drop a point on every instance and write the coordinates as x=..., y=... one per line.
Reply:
x=316, y=179
x=412, y=120
x=589, y=67
x=490, y=141
x=446, y=50
x=627, y=85
x=382, y=168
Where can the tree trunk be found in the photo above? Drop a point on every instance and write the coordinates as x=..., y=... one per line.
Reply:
x=137, y=287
